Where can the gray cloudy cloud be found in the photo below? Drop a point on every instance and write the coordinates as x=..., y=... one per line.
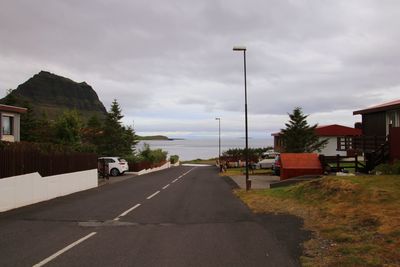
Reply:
x=171, y=66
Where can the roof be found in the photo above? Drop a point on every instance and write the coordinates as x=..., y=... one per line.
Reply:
x=300, y=161
x=337, y=130
x=12, y=109
x=333, y=130
x=395, y=104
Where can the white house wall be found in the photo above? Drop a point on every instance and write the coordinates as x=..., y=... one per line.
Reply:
x=31, y=188
x=331, y=148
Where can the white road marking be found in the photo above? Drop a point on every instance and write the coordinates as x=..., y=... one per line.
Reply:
x=58, y=253
x=175, y=180
x=165, y=187
x=127, y=211
x=153, y=195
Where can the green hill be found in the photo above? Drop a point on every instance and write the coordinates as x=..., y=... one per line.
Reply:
x=51, y=94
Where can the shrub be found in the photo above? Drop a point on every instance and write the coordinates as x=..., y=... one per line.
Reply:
x=174, y=159
x=387, y=168
x=153, y=156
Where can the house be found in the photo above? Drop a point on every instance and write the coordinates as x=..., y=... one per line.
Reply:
x=380, y=132
x=377, y=120
x=334, y=133
x=10, y=122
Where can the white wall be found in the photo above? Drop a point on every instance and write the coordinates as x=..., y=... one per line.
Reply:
x=31, y=188
x=331, y=148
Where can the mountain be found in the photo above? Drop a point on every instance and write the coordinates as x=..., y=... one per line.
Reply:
x=52, y=94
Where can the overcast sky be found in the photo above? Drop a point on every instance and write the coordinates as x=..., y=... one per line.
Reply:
x=171, y=66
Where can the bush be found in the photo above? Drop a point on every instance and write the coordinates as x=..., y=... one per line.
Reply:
x=153, y=156
x=387, y=168
x=174, y=159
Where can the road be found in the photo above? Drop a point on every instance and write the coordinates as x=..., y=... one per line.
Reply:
x=183, y=216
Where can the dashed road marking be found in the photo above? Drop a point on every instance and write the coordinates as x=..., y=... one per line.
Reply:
x=151, y=196
x=165, y=187
x=175, y=180
x=58, y=253
x=127, y=211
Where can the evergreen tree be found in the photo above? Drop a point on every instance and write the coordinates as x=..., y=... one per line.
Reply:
x=299, y=137
x=116, y=140
x=29, y=125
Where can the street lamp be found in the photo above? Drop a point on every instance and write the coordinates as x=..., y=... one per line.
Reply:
x=219, y=143
x=243, y=48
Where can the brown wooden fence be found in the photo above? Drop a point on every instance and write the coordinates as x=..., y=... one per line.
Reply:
x=18, y=159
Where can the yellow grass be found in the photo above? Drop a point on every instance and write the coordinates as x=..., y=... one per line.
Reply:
x=355, y=220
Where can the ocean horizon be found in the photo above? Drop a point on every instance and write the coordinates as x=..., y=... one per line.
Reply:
x=206, y=148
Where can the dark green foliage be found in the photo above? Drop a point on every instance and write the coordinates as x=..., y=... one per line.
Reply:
x=298, y=136
x=239, y=153
x=174, y=159
x=116, y=140
x=68, y=128
x=152, y=156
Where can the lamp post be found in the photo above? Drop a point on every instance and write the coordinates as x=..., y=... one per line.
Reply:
x=243, y=48
x=219, y=143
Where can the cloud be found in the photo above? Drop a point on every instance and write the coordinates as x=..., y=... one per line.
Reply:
x=172, y=68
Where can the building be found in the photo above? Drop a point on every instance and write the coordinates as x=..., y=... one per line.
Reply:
x=377, y=120
x=10, y=123
x=335, y=134
x=380, y=132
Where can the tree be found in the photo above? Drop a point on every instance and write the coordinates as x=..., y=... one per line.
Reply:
x=29, y=125
x=299, y=137
x=68, y=128
x=116, y=139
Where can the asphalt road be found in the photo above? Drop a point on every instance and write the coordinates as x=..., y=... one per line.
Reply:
x=183, y=216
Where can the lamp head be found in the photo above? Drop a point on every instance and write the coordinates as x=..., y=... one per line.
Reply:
x=239, y=48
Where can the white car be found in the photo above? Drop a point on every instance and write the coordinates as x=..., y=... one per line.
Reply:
x=116, y=165
x=266, y=163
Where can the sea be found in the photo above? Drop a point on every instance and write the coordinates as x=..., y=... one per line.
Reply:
x=190, y=149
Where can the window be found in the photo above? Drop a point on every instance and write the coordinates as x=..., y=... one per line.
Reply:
x=7, y=123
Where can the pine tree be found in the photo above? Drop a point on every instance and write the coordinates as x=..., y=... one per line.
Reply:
x=299, y=137
x=117, y=140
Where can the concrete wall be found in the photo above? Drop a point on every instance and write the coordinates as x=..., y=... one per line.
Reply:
x=31, y=188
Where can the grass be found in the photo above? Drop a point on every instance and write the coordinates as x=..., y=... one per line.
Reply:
x=355, y=220
x=241, y=171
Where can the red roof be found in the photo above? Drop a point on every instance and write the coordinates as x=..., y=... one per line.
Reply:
x=333, y=130
x=12, y=109
x=337, y=130
x=381, y=107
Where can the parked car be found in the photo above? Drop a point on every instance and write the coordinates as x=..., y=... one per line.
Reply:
x=270, y=154
x=276, y=166
x=266, y=163
x=116, y=165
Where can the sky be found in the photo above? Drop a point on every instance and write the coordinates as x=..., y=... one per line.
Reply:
x=171, y=67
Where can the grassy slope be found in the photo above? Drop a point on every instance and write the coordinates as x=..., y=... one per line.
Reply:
x=356, y=220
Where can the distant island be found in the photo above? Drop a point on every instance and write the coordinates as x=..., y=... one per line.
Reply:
x=156, y=137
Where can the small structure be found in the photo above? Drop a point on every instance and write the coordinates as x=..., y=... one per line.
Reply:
x=334, y=133
x=10, y=123
x=300, y=164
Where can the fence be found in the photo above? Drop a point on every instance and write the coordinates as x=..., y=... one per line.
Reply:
x=23, y=158
x=138, y=166
x=338, y=163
